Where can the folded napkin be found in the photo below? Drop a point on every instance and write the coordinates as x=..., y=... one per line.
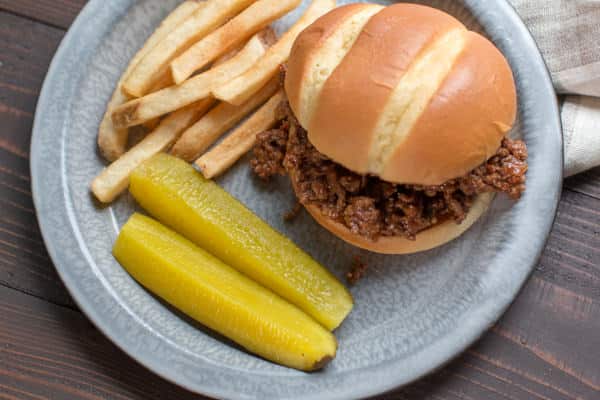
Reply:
x=568, y=34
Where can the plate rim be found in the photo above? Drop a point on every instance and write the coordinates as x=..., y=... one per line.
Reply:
x=151, y=363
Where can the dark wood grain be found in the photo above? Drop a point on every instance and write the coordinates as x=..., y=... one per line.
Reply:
x=571, y=259
x=546, y=347
x=586, y=183
x=54, y=352
x=59, y=13
x=26, y=49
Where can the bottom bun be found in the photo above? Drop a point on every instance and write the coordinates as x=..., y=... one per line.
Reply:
x=426, y=240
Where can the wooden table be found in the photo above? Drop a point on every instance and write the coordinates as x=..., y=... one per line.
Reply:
x=546, y=347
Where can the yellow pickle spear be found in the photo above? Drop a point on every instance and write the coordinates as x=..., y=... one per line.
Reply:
x=177, y=195
x=220, y=297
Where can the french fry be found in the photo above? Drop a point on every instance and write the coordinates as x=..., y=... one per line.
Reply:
x=115, y=178
x=153, y=65
x=164, y=81
x=150, y=125
x=197, y=88
x=240, y=89
x=241, y=140
x=248, y=22
x=112, y=141
x=220, y=119
x=267, y=35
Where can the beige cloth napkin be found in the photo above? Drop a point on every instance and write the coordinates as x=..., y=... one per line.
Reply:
x=568, y=34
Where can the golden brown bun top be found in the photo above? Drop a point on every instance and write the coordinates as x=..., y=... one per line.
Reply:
x=404, y=92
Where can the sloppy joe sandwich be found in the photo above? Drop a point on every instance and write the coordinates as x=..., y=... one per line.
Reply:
x=395, y=128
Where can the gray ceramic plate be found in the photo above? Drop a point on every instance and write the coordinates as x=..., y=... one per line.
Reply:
x=412, y=313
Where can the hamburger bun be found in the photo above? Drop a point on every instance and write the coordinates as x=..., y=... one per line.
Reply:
x=406, y=92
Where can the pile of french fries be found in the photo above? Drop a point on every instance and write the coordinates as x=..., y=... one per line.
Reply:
x=208, y=66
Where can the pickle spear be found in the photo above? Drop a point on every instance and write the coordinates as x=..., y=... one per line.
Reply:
x=220, y=297
x=177, y=195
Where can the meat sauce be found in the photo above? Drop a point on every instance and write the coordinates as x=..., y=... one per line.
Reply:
x=369, y=206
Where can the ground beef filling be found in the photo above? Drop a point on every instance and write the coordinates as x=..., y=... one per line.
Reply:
x=370, y=207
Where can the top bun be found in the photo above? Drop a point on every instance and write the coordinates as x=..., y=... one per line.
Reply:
x=404, y=92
